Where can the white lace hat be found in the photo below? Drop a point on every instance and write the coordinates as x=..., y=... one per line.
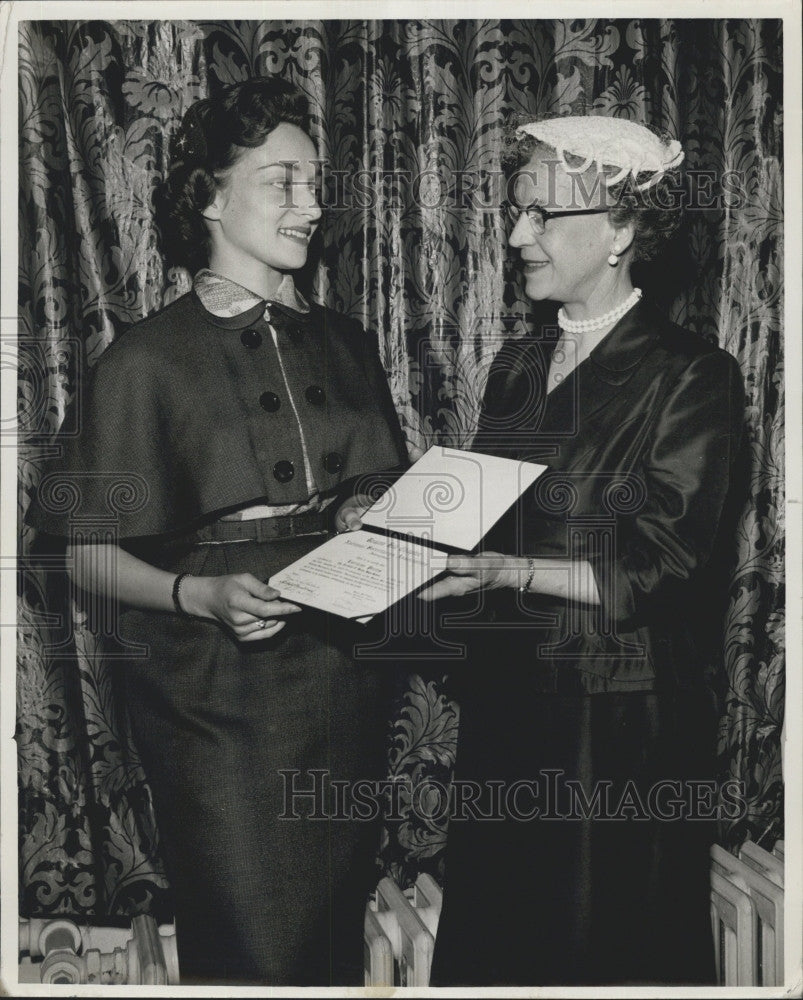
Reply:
x=630, y=148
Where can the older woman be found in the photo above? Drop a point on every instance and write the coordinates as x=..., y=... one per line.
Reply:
x=577, y=849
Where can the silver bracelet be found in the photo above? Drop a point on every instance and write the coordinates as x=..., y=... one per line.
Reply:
x=525, y=589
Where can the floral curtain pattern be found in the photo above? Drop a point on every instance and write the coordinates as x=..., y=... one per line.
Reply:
x=408, y=117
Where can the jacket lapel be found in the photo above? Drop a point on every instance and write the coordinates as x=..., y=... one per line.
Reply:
x=609, y=367
x=575, y=408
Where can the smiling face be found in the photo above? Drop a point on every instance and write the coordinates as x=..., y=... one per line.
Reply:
x=265, y=211
x=568, y=262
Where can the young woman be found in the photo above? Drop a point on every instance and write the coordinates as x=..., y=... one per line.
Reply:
x=587, y=748
x=215, y=433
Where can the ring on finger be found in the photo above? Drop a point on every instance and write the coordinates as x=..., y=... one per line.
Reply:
x=262, y=623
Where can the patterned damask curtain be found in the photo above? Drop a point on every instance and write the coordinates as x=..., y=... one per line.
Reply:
x=414, y=110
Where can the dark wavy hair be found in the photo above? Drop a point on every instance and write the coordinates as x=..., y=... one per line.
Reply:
x=212, y=136
x=656, y=212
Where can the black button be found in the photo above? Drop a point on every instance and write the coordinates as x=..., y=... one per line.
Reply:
x=283, y=471
x=333, y=462
x=315, y=395
x=270, y=401
x=251, y=338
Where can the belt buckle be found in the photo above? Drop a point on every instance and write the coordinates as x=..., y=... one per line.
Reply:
x=282, y=527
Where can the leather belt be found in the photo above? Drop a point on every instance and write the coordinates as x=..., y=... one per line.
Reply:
x=266, y=529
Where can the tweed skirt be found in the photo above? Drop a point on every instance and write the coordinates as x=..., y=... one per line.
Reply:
x=270, y=883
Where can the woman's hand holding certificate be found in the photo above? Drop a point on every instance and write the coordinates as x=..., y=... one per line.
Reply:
x=448, y=500
x=248, y=608
x=489, y=571
x=349, y=515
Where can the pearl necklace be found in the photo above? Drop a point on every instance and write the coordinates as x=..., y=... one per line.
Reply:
x=589, y=325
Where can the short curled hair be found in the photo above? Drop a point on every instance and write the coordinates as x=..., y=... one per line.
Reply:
x=211, y=138
x=655, y=213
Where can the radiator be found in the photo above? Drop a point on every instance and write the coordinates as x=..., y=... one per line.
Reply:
x=63, y=952
x=747, y=915
x=400, y=926
x=400, y=933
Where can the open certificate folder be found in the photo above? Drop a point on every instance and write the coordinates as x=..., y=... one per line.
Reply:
x=447, y=501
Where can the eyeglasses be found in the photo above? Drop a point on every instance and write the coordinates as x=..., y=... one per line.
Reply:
x=538, y=217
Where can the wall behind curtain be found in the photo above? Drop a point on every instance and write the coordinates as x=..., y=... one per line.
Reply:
x=425, y=268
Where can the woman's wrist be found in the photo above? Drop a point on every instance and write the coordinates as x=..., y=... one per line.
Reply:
x=192, y=595
x=517, y=572
x=567, y=579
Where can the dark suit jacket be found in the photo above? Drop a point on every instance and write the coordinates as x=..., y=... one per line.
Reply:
x=641, y=441
x=187, y=415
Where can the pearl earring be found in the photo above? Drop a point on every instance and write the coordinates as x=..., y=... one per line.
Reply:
x=613, y=259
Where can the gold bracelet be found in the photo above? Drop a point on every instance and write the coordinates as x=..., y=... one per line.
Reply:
x=525, y=589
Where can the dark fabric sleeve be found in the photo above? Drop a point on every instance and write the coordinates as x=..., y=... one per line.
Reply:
x=687, y=472
x=375, y=483
x=114, y=473
x=378, y=381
